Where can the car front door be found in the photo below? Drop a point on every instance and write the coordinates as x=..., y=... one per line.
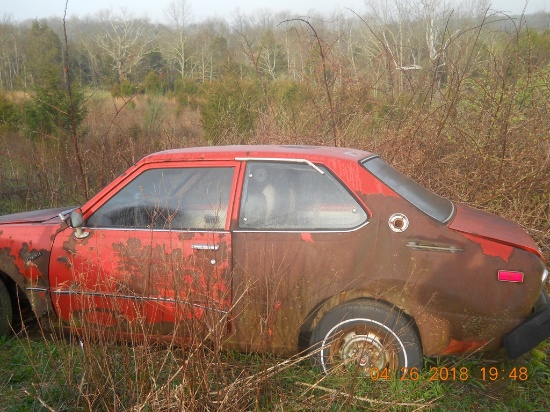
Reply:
x=157, y=259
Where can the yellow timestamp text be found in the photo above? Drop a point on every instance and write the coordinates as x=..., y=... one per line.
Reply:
x=444, y=373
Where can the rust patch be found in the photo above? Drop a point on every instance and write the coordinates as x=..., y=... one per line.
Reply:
x=33, y=273
x=186, y=236
x=64, y=260
x=34, y=258
x=8, y=263
x=64, y=225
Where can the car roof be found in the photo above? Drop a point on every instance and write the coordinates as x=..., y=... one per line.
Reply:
x=312, y=153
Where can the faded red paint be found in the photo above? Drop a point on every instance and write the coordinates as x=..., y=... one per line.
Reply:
x=306, y=237
x=492, y=248
x=125, y=265
x=265, y=288
x=485, y=225
x=25, y=253
x=456, y=347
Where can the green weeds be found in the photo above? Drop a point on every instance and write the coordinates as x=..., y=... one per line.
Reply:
x=57, y=374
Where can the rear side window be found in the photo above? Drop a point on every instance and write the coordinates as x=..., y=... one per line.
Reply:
x=431, y=204
x=285, y=196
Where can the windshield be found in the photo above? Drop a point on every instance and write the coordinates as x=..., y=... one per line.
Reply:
x=433, y=205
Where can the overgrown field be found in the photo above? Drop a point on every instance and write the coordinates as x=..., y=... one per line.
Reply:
x=474, y=127
x=467, y=116
x=64, y=374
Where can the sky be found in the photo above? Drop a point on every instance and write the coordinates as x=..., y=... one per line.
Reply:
x=20, y=10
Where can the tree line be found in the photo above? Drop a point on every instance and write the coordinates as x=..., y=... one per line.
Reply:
x=114, y=50
x=390, y=49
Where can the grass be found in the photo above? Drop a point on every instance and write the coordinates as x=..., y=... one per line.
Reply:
x=58, y=374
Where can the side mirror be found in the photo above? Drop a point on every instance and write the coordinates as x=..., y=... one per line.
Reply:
x=76, y=221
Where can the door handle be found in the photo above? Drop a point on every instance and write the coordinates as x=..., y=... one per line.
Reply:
x=202, y=246
x=433, y=247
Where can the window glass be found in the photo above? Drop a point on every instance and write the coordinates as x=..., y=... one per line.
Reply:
x=433, y=205
x=177, y=198
x=285, y=196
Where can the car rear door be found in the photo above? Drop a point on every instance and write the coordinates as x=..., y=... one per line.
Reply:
x=302, y=236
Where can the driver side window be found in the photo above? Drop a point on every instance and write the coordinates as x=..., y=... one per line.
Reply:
x=169, y=199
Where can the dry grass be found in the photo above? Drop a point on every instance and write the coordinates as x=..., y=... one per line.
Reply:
x=56, y=373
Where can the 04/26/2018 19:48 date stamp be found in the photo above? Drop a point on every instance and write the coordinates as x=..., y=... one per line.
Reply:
x=444, y=373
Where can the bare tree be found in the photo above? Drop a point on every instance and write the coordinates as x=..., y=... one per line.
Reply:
x=11, y=56
x=126, y=40
x=180, y=17
x=412, y=36
x=211, y=49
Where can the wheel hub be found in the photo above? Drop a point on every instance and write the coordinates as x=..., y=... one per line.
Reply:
x=364, y=350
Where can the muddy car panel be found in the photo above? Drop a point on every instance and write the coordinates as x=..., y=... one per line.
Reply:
x=275, y=238
x=439, y=276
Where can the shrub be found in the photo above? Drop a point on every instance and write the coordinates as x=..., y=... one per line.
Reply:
x=230, y=111
x=9, y=114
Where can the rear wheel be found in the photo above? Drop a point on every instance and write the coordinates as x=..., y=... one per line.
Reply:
x=366, y=335
x=6, y=312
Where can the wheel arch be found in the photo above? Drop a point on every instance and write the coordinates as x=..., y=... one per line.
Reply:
x=315, y=315
x=20, y=303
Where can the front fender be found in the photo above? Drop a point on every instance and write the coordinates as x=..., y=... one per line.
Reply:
x=25, y=251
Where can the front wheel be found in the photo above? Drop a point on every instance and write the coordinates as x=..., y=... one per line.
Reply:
x=368, y=335
x=6, y=312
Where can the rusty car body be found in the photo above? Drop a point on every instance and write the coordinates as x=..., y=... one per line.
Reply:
x=280, y=248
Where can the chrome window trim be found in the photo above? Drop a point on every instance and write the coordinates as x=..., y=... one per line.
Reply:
x=303, y=230
x=142, y=229
x=276, y=159
x=231, y=167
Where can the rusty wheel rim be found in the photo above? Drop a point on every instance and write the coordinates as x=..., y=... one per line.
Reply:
x=368, y=346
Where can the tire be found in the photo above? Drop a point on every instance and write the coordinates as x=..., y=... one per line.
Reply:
x=6, y=311
x=367, y=335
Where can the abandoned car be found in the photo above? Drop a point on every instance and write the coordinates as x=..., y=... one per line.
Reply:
x=280, y=249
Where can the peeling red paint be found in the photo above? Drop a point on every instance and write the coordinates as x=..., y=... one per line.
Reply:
x=488, y=226
x=306, y=237
x=158, y=276
x=25, y=254
x=491, y=248
x=456, y=347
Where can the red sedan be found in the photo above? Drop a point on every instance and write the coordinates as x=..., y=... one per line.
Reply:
x=280, y=249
